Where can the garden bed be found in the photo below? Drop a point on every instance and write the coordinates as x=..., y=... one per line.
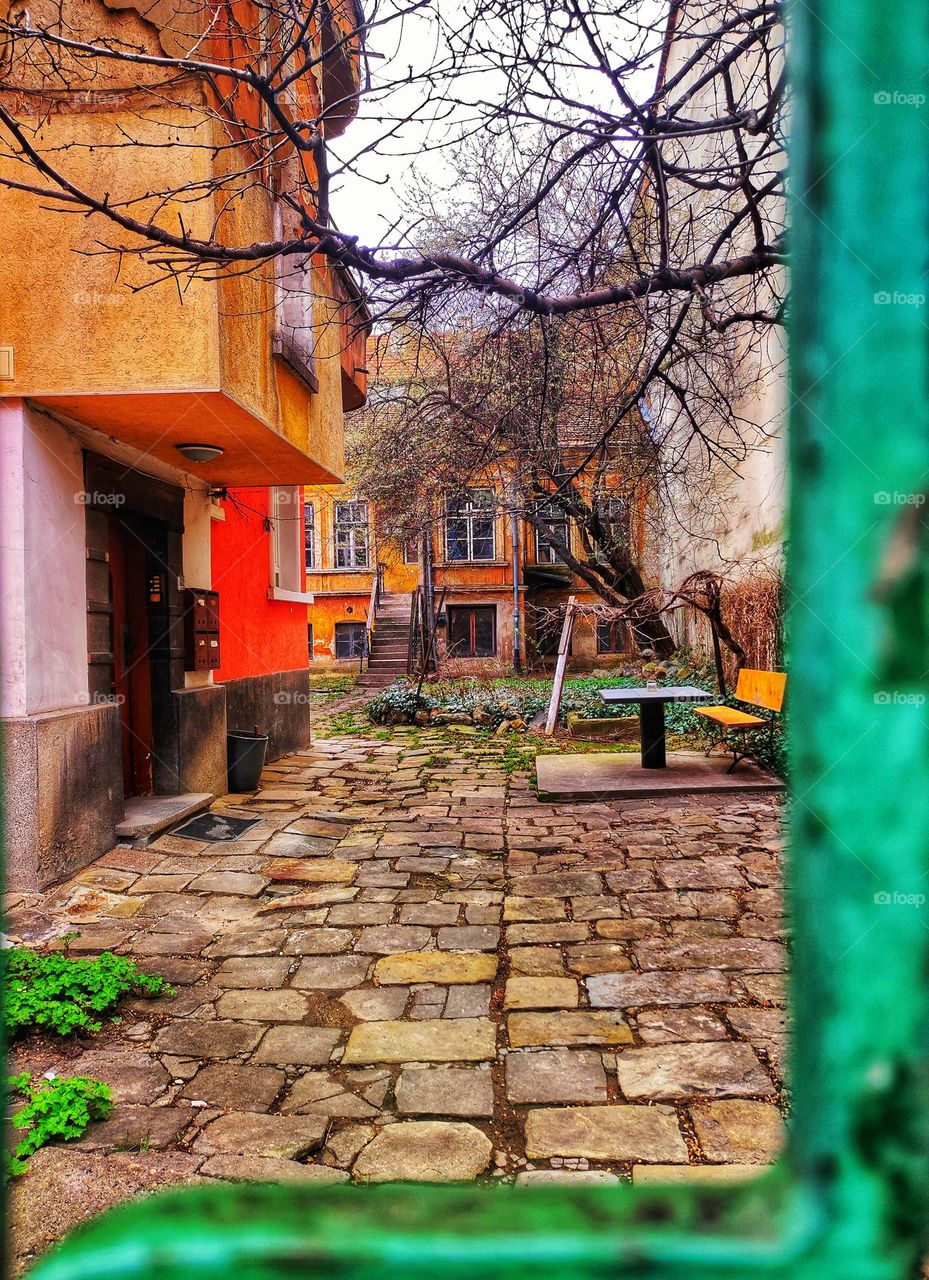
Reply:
x=517, y=704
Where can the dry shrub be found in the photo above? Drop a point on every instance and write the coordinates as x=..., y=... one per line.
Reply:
x=753, y=611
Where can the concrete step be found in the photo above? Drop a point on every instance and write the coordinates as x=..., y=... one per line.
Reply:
x=145, y=817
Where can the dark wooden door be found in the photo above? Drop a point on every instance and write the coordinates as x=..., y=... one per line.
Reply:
x=132, y=675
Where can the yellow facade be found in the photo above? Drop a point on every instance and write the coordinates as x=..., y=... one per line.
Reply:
x=97, y=337
x=342, y=595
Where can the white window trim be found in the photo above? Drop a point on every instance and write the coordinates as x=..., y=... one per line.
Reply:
x=469, y=517
x=295, y=597
x=286, y=514
x=317, y=549
x=351, y=568
x=552, y=557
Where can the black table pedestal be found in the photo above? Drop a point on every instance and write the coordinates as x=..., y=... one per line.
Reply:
x=651, y=726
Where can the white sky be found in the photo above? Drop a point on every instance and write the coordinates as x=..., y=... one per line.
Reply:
x=367, y=206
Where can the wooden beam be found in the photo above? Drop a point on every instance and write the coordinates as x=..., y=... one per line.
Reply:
x=564, y=645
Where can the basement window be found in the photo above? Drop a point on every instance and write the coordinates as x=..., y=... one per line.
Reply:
x=472, y=631
x=612, y=636
x=349, y=639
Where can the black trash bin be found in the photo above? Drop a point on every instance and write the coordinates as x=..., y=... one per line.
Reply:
x=245, y=758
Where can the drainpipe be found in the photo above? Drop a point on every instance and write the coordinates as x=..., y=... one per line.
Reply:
x=428, y=602
x=514, y=538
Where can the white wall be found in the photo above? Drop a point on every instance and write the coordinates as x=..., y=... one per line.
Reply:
x=196, y=559
x=724, y=514
x=43, y=613
x=12, y=562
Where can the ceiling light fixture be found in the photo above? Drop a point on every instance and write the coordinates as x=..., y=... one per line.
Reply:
x=200, y=452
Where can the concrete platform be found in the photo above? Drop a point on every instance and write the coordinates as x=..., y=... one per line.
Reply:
x=615, y=774
x=145, y=817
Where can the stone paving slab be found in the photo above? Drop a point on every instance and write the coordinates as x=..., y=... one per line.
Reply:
x=407, y=960
x=596, y=775
x=606, y=1133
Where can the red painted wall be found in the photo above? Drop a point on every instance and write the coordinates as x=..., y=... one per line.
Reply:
x=256, y=635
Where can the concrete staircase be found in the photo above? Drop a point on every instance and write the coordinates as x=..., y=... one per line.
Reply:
x=391, y=642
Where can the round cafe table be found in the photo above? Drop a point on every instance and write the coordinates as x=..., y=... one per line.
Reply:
x=651, y=714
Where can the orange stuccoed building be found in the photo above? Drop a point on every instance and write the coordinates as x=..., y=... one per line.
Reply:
x=498, y=587
x=157, y=435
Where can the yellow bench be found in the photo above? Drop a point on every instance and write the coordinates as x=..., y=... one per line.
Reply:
x=763, y=689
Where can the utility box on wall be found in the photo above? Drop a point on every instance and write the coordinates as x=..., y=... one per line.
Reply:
x=201, y=630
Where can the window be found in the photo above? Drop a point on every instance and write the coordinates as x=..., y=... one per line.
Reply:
x=611, y=636
x=469, y=526
x=309, y=536
x=613, y=513
x=309, y=639
x=289, y=573
x=294, y=336
x=351, y=535
x=411, y=550
x=472, y=631
x=349, y=639
x=554, y=528
x=547, y=626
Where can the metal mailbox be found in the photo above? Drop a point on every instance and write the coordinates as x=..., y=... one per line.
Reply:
x=201, y=630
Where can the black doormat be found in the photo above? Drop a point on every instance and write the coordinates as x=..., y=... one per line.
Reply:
x=215, y=827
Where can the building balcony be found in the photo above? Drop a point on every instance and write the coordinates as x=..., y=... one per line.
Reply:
x=98, y=340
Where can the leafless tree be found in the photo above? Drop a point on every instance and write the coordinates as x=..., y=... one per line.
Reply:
x=575, y=168
x=673, y=171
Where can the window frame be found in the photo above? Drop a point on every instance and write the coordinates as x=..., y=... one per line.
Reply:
x=309, y=536
x=455, y=610
x=349, y=529
x=604, y=503
x=562, y=522
x=612, y=624
x=467, y=515
x=287, y=563
x=354, y=625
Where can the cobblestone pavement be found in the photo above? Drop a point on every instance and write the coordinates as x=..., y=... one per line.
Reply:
x=413, y=969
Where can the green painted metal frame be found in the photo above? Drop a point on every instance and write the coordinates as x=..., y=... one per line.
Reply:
x=851, y=1197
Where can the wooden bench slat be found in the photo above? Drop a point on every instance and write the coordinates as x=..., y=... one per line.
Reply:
x=761, y=688
x=730, y=716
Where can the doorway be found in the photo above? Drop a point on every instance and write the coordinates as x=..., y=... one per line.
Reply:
x=131, y=648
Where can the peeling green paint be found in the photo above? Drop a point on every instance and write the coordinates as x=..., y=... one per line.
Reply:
x=851, y=1200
